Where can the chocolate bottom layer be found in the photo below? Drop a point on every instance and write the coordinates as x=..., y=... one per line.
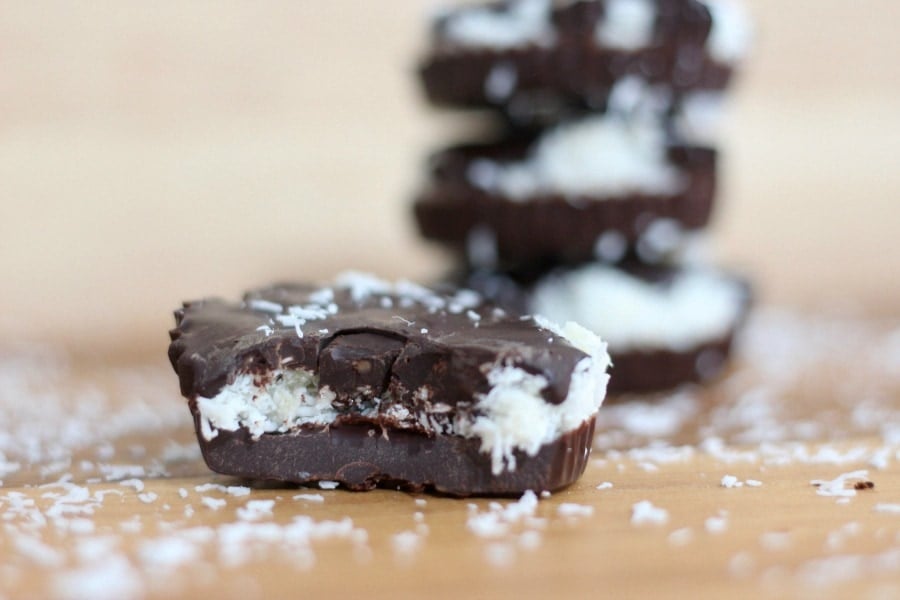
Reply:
x=362, y=457
x=644, y=371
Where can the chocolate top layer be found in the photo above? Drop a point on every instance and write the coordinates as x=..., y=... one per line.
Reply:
x=365, y=337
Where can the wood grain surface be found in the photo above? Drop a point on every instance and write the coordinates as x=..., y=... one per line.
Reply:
x=104, y=493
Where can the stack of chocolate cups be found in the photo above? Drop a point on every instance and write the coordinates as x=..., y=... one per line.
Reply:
x=591, y=203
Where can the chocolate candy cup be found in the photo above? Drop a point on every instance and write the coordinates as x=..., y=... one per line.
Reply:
x=635, y=308
x=534, y=81
x=551, y=227
x=368, y=383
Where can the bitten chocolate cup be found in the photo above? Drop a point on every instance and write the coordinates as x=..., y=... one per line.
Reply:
x=369, y=383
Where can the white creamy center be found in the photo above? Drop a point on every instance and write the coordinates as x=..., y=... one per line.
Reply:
x=627, y=24
x=521, y=23
x=632, y=314
x=516, y=417
x=291, y=398
x=598, y=157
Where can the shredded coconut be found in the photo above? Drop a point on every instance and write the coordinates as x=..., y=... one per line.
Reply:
x=598, y=157
x=627, y=24
x=629, y=313
x=884, y=507
x=500, y=554
x=255, y=510
x=137, y=484
x=775, y=541
x=571, y=509
x=213, y=503
x=501, y=82
x=742, y=565
x=681, y=537
x=113, y=579
x=838, y=486
x=406, y=543
x=498, y=520
x=645, y=513
x=730, y=481
x=717, y=524
x=520, y=23
x=168, y=552
x=826, y=572
x=318, y=498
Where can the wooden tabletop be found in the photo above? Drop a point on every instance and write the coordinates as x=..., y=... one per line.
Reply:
x=701, y=492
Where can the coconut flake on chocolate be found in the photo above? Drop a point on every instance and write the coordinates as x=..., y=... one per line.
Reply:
x=627, y=24
x=513, y=24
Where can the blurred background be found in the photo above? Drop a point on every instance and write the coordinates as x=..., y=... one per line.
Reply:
x=152, y=152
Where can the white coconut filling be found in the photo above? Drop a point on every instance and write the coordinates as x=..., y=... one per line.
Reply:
x=598, y=157
x=627, y=24
x=290, y=399
x=511, y=416
x=699, y=306
x=731, y=34
x=514, y=415
x=521, y=23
